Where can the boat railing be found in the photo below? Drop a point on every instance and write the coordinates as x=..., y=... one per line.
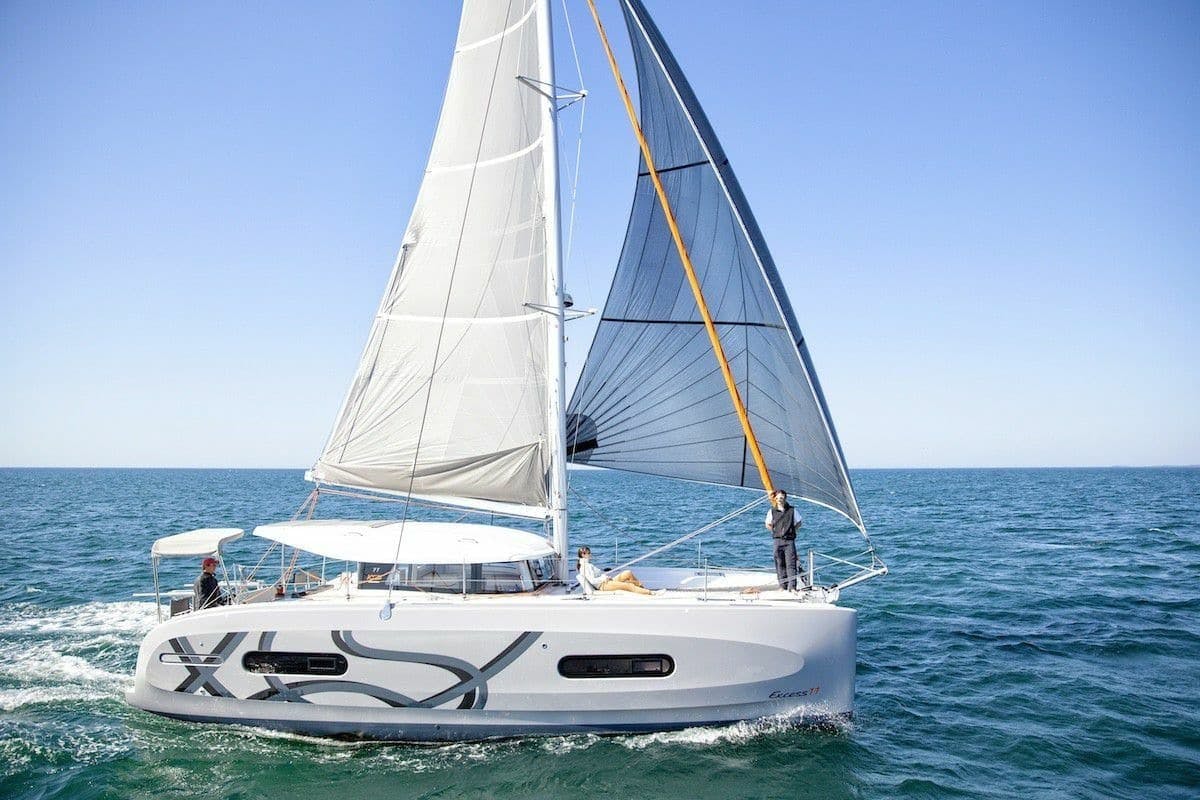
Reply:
x=817, y=570
x=874, y=568
x=864, y=565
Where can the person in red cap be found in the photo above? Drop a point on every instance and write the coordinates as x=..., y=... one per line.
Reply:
x=206, y=592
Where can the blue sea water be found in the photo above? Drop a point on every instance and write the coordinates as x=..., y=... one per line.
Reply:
x=1038, y=636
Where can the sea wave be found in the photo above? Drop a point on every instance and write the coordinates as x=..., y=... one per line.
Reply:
x=121, y=617
x=1003, y=656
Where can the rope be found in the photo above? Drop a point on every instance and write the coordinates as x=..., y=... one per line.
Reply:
x=571, y=36
x=250, y=575
x=437, y=348
x=574, y=195
x=576, y=493
x=693, y=534
x=309, y=505
x=578, y=139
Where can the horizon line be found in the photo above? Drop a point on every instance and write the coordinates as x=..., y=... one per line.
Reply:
x=586, y=467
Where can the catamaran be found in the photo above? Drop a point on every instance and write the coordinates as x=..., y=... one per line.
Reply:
x=450, y=630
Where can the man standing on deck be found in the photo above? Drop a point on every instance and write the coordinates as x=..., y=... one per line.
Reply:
x=206, y=592
x=782, y=521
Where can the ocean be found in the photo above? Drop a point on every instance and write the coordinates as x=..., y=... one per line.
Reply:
x=1038, y=636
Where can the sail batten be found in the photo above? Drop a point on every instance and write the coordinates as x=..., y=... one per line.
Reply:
x=717, y=322
x=647, y=362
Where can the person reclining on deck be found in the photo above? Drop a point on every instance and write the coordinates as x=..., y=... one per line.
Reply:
x=206, y=592
x=591, y=578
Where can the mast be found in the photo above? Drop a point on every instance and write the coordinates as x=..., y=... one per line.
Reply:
x=555, y=359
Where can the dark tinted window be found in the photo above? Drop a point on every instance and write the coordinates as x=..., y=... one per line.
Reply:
x=283, y=663
x=497, y=578
x=381, y=576
x=648, y=666
x=542, y=569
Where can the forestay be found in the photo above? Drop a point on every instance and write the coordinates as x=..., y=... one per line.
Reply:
x=651, y=398
x=449, y=399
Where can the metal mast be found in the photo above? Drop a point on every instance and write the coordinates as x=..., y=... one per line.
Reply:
x=555, y=361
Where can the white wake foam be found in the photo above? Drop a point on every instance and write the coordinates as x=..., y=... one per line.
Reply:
x=76, y=654
x=734, y=733
x=12, y=699
x=45, y=663
x=129, y=617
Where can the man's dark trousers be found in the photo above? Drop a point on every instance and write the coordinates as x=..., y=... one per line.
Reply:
x=785, y=562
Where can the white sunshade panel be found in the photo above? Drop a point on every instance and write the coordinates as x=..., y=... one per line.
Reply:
x=651, y=397
x=409, y=542
x=201, y=542
x=450, y=394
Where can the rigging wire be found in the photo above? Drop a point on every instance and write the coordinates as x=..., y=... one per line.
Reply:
x=576, y=493
x=578, y=139
x=571, y=37
x=571, y=216
x=738, y=512
x=387, y=609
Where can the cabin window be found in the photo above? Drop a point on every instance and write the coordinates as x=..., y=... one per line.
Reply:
x=542, y=570
x=502, y=577
x=439, y=577
x=266, y=662
x=621, y=666
x=382, y=576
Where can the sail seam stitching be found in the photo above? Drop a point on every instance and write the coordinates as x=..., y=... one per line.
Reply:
x=674, y=169
x=734, y=324
x=463, y=320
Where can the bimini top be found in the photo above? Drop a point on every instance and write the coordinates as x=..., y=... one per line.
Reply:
x=409, y=542
x=201, y=542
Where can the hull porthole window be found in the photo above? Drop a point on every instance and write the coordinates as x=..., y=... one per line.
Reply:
x=616, y=666
x=266, y=662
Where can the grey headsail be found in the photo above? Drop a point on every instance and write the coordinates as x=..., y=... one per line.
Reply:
x=651, y=398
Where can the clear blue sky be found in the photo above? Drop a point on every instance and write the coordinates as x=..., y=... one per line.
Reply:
x=987, y=216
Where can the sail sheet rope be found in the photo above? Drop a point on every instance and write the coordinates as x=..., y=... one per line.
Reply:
x=687, y=536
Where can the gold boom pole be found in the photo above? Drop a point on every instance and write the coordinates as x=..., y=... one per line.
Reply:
x=718, y=350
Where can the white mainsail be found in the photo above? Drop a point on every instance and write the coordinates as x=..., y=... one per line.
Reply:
x=450, y=396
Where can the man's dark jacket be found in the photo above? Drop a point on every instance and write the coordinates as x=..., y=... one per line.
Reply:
x=783, y=522
x=207, y=592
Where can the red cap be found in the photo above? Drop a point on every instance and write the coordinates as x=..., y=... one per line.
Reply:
x=209, y=562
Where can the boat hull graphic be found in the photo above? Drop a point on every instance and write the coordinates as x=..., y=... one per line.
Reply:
x=453, y=669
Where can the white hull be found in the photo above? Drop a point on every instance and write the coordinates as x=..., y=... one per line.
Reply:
x=448, y=668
